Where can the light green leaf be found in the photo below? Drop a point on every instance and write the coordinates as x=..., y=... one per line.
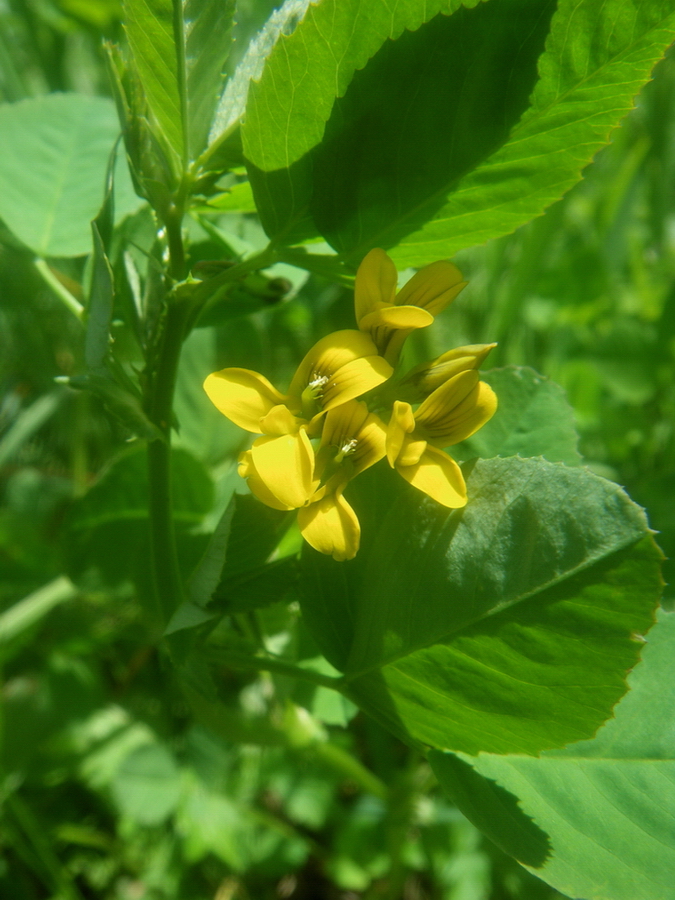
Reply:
x=206, y=26
x=20, y=617
x=150, y=31
x=290, y=101
x=233, y=102
x=53, y=167
x=147, y=785
x=449, y=104
x=507, y=624
x=606, y=804
x=180, y=49
x=533, y=419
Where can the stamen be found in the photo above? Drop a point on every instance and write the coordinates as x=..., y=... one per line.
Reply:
x=317, y=383
x=348, y=447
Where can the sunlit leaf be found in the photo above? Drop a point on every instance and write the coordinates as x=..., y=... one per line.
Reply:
x=508, y=624
x=605, y=804
x=52, y=170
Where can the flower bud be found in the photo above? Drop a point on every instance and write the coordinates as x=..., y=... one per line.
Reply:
x=419, y=382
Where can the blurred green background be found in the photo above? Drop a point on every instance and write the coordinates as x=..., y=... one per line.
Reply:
x=110, y=787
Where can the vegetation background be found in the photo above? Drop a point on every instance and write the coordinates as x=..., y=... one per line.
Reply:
x=110, y=788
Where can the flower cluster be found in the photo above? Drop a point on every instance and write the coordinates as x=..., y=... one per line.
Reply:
x=319, y=435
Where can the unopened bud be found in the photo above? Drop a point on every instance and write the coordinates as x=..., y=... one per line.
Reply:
x=425, y=378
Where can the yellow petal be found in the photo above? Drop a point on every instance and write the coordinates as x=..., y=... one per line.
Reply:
x=472, y=413
x=355, y=378
x=433, y=287
x=257, y=486
x=375, y=283
x=441, y=403
x=286, y=466
x=327, y=356
x=243, y=396
x=331, y=527
x=389, y=327
x=409, y=317
x=439, y=476
x=401, y=424
x=279, y=420
x=411, y=452
x=356, y=432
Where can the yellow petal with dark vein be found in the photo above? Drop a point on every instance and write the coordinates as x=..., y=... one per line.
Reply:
x=433, y=287
x=286, y=466
x=330, y=526
x=243, y=396
x=472, y=413
x=439, y=476
x=375, y=283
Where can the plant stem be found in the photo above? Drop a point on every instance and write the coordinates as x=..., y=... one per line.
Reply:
x=270, y=664
x=351, y=768
x=167, y=577
x=60, y=291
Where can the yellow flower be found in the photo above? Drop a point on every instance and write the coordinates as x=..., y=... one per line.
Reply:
x=450, y=414
x=390, y=317
x=338, y=368
x=352, y=440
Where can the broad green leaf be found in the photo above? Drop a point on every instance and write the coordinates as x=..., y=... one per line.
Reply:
x=290, y=100
x=53, y=167
x=180, y=49
x=147, y=785
x=509, y=624
x=605, y=804
x=426, y=110
x=424, y=156
x=533, y=419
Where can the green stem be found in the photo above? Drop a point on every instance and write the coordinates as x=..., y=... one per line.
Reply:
x=341, y=761
x=269, y=664
x=167, y=577
x=61, y=292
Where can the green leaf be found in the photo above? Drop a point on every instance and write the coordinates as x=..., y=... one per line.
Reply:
x=425, y=111
x=233, y=102
x=207, y=25
x=505, y=625
x=108, y=527
x=147, y=785
x=100, y=307
x=533, y=419
x=180, y=50
x=150, y=31
x=606, y=804
x=432, y=146
x=259, y=587
x=52, y=170
x=23, y=615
